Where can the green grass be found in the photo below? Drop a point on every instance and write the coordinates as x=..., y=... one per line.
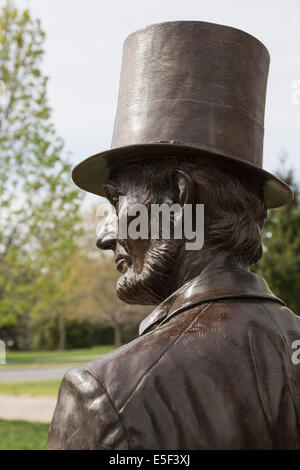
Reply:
x=23, y=435
x=44, y=387
x=35, y=358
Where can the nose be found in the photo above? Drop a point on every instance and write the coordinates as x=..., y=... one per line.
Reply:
x=106, y=234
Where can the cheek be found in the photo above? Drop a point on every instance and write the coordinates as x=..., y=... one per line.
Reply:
x=138, y=249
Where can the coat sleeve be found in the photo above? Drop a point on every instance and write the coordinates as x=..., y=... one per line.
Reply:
x=84, y=417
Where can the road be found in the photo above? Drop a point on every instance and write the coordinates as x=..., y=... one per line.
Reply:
x=27, y=408
x=31, y=374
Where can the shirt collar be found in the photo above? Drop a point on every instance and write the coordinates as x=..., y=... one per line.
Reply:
x=214, y=285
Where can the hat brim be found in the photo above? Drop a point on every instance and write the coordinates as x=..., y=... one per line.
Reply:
x=93, y=172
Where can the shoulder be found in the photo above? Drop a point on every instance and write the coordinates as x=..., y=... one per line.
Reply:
x=87, y=413
x=174, y=340
x=211, y=330
x=206, y=327
x=84, y=417
x=129, y=364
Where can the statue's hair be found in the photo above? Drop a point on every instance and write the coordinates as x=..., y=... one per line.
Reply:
x=234, y=209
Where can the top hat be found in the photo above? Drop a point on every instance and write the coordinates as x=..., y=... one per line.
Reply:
x=190, y=88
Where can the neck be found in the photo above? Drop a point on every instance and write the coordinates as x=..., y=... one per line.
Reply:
x=193, y=263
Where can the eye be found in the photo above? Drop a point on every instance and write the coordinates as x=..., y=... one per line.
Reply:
x=112, y=194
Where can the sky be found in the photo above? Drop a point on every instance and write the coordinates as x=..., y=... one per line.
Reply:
x=83, y=52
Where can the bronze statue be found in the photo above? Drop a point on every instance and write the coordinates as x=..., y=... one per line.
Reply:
x=212, y=367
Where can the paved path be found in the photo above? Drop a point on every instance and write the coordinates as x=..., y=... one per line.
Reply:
x=30, y=374
x=27, y=408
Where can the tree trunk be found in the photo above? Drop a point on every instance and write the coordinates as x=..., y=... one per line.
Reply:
x=62, y=332
x=117, y=335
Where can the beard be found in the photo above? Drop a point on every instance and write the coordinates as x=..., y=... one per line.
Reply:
x=156, y=280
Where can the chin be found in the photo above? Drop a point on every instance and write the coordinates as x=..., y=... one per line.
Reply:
x=155, y=282
x=134, y=288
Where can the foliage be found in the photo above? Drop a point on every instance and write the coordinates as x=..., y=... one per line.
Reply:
x=39, y=205
x=79, y=333
x=39, y=358
x=280, y=263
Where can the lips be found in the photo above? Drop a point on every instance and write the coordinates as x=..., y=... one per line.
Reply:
x=122, y=263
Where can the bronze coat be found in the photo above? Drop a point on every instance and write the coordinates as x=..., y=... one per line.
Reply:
x=212, y=369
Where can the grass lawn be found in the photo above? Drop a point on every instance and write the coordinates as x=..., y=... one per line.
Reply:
x=23, y=435
x=44, y=387
x=35, y=358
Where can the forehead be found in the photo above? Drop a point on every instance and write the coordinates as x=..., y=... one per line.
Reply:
x=121, y=194
x=127, y=182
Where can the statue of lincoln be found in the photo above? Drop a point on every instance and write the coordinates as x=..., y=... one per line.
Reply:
x=212, y=367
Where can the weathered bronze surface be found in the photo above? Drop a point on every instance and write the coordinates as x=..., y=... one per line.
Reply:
x=212, y=367
x=192, y=88
x=213, y=375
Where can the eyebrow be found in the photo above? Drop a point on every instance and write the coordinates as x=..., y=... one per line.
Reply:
x=107, y=191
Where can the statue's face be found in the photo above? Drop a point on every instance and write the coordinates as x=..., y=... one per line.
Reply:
x=152, y=269
x=145, y=265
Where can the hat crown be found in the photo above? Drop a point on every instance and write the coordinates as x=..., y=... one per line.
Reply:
x=190, y=88
x=193, y=83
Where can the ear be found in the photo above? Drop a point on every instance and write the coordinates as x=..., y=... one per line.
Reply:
x=181, y=186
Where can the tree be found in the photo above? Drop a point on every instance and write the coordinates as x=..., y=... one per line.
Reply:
x=280, y=263
x=39, y=205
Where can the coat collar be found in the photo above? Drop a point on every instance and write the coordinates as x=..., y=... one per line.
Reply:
x=213, y=285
